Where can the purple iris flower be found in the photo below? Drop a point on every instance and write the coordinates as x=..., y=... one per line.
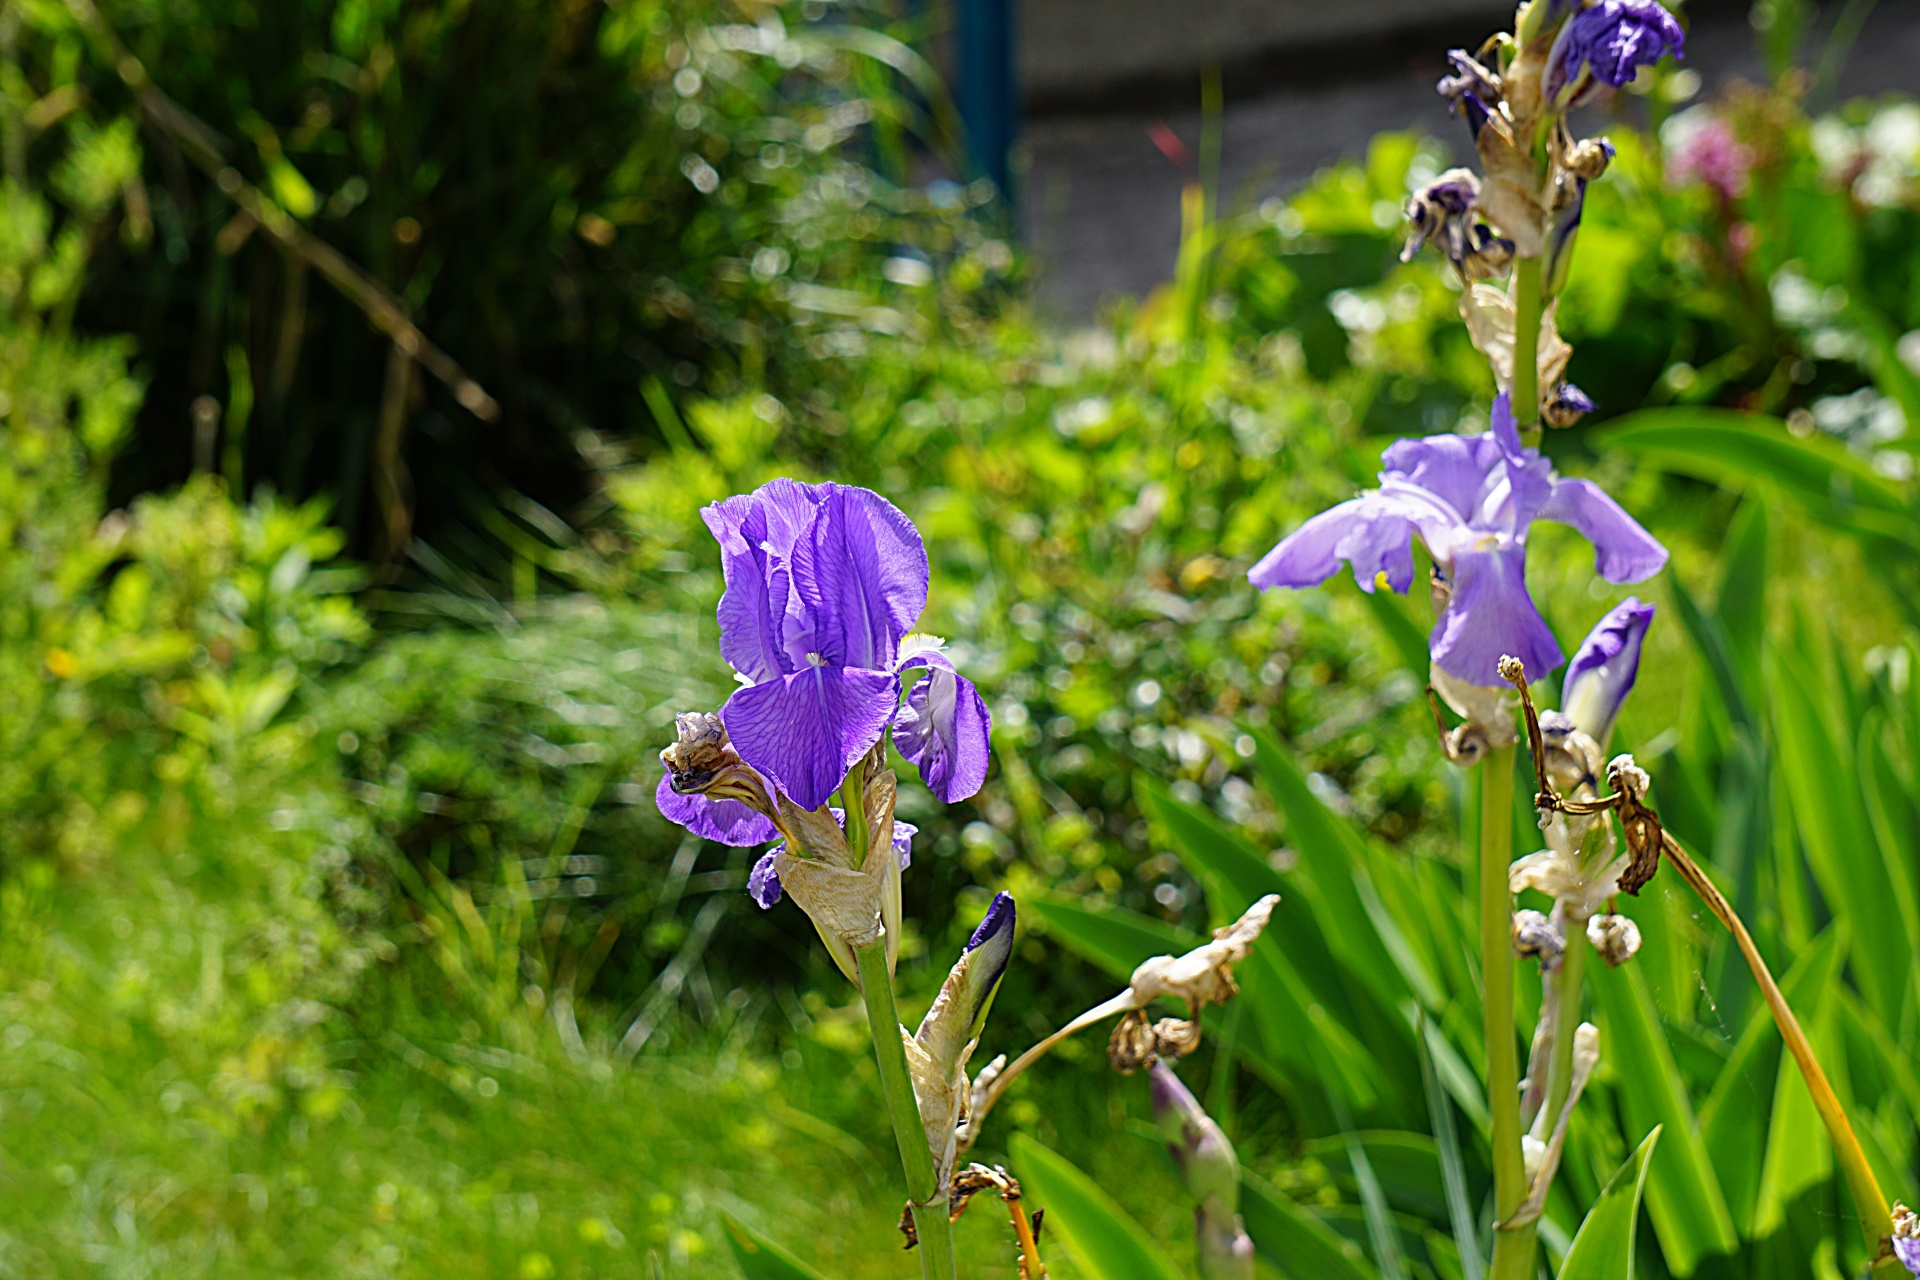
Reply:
x=1602, y=672
x=823, y=584
x=763, y=882
x=1471, y=500
x=1613, y=39
x=1908, y=1252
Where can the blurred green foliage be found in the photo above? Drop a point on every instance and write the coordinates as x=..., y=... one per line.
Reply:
x=576, y=199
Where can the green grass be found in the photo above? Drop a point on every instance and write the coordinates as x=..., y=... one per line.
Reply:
x=158, y=1118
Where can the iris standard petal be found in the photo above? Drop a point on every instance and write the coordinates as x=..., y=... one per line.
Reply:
x=727, y=821
x=860, y=572
x=943, y=729
x=763, y=882
x=1491, y=616
x=789, y=507
x=1455, y=470
x=805, y=730
x=1603, y=669
x=1908, y=1252
x=1622, y=550
x=750, y=607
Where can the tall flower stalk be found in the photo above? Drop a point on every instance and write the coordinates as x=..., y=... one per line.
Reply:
x=1471, y=501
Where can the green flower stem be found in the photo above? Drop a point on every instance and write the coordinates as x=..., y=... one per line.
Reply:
x=1514, y=1261
x=1526, y=342
x=1512, y=1250
x=1566, y=1017
x=1513, y=1253
x=853, y=801
x=883, y=1020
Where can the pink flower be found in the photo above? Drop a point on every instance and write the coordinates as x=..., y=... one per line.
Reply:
x=1708, y=152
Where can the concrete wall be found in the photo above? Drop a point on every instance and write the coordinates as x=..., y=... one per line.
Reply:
x=1074, y=51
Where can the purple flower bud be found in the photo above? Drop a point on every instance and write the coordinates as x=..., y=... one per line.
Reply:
x=1612, y=39
x=1602, y=672
x=986, y=955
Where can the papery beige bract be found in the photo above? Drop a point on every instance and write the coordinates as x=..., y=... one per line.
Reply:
x=1488, y=312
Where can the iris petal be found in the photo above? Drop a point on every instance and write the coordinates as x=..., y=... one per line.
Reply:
x=751, y=606
x=1372, y=532
x=727, y=821
x=804, y=731
x=860, y=571
x=1603, y=669
x=944, y=730
x=1492, y=616
x=763, y=882
x=1622, y=550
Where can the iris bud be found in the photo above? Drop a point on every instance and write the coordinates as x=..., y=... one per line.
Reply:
x=1205, y=1157
x=1212, y=1173
x=1603, y=671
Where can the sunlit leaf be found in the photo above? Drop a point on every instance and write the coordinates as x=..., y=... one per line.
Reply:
x=759, y=1257
x=1294, y=1240
x=1684, y=1198
x=1114, y=939
x=1603, y=1247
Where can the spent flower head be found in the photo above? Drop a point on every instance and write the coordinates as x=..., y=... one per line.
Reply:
x=1906, y=1238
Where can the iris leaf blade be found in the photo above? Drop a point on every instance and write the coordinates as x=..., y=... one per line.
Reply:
x=1603, y=1247
x=759, y=1257
x=1113, y=939
x=1106, y=1242
x=1684, y=1197
x=1294, y=1240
